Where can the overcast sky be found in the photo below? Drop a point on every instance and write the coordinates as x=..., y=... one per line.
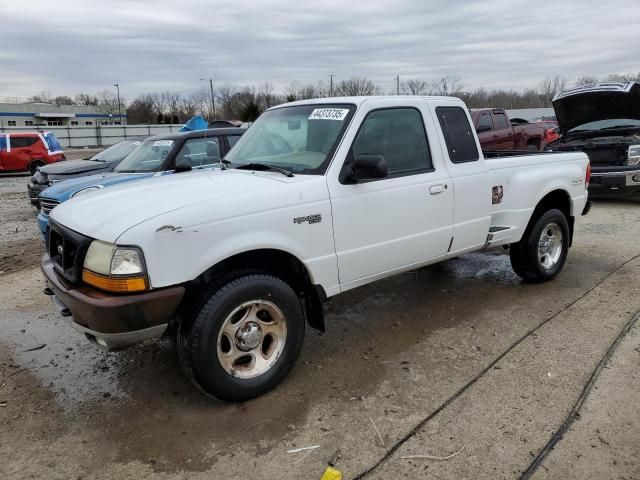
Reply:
x=68, y=46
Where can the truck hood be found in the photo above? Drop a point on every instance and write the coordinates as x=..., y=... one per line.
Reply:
x=605, y=101
x=71, y=167
x=107, y=214
x=62, y=191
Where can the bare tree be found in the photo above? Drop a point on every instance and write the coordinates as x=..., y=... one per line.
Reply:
x=586, y=80
x=225, y=95
x=141, y=110
x=624, y=77
x=63, y=100
x=449, y=85
x=108, y=102
x=42, y=97
x=266, y=97
x=414, y=87
x=356, y=87
x=86, y=99
x=549, y=87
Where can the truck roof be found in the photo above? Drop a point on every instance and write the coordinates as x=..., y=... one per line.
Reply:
x=200, y=133
x=357, y=101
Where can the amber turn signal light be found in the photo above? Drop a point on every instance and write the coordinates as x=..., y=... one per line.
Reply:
x=111, y=284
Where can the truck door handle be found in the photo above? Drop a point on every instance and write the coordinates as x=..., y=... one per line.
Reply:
x=436, y=189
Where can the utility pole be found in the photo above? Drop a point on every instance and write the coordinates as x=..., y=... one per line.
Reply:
x=212, y=82
x=117, y=85
x=397, y=84
x=331, y=85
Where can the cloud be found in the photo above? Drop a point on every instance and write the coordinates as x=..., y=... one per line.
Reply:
x=166, y=45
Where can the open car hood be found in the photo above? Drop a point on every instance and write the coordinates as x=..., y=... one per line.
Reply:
x=605, y=101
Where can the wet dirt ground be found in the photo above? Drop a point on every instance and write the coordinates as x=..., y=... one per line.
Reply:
x=393, y=354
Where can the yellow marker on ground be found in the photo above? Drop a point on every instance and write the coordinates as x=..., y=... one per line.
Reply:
x=331, y=474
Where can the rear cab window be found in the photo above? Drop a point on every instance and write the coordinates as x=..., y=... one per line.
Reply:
x=458, y=134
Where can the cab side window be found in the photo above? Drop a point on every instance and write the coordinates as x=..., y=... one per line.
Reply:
x=199, y=152
x=398, y=134
x=501, y=121
x=460, y=140
x=485, y=121
x=22, y=142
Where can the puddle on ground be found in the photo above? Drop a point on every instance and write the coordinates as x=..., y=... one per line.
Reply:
x=139, y=402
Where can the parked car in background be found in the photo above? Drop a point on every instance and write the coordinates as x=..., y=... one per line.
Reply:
x=551, y=130
x=25, y=152
x=159, y=155
x=104, y=161
x=604, y=122
x=496, y=132
x=319, y=197
x=225, y=123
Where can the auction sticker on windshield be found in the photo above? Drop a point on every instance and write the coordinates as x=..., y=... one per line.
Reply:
x=329, y=114
x=162, y=143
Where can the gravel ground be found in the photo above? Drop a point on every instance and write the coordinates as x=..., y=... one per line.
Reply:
x=460, y=354
x=20, y=243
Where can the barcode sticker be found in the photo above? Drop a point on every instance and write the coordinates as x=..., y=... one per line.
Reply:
x=162, y=143
x=329, y=114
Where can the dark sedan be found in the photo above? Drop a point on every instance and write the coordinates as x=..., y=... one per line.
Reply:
x=104, y=161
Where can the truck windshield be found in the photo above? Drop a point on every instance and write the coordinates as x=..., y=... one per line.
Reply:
x=148, y=157
x=300, y=139
x=116, y=152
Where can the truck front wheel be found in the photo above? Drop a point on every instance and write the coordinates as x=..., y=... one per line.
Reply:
x=245, y=338
x=541, y=253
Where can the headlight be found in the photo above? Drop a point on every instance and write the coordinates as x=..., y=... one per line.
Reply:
x=84, y=191
x=115, y=269
x=633, y=155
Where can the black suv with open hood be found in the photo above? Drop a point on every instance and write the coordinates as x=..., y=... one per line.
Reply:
x=604, y=122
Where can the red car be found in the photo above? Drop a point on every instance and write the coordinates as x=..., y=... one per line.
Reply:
x=551, y=132
x=25, y=152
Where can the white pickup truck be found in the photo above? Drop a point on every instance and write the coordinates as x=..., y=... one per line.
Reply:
x=318, y=197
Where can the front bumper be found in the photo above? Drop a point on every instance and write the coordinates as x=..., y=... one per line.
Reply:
x=112, y=321
x=34, y=190
x=614, y=181
x=43, y=222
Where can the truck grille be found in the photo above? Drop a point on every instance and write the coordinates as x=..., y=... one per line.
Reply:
x=48, y=204
x=66, y=249
x=606, y=155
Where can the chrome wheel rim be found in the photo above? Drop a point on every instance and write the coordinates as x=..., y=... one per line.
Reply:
x=550, y=246
x=251, y=339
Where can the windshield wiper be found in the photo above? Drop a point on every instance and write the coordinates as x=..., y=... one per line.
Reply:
x=262, y=166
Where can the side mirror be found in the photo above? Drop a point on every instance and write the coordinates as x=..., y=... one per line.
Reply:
x=182, y=165
x=367, y=166
x=483, y=128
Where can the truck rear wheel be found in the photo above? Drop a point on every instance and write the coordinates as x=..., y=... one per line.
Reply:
x=245, y=338
x=541, y=253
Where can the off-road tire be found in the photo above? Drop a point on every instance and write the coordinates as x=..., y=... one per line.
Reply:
x=197, y=336
x=524, y=254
